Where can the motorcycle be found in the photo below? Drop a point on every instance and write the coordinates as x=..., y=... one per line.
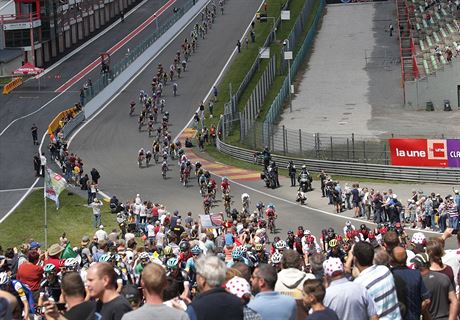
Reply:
x=269, y=178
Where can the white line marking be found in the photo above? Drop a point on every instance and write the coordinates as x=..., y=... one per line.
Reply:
x=146, y=65
x=66, y=57
x=20, y=189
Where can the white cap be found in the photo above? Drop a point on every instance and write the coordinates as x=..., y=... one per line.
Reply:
x=101, y=227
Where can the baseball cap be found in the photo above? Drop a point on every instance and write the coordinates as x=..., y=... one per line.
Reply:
x=35, y=245
x=333, y=267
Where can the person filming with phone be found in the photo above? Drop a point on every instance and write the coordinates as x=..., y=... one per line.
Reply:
x=75, y=306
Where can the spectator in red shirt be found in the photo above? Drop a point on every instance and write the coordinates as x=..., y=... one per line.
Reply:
x=54, y=252
x=31, y=274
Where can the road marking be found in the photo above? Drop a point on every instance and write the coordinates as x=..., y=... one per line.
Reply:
x=20, y=189
x=91, y=40
x=50, y=101
x=146, y=65
x=115, y=48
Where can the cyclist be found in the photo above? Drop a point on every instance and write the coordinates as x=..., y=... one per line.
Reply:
x=177, y=279
x=132, y=107
x=271, y=216
x=225, y=186
x=50, y=287
x=142, y=261
x=20, y=291
x=245, y=199
x=175, y=89
x=140, y=156
x=260, y=208
x=148, y=157
x=164, y=168
x=150, y=125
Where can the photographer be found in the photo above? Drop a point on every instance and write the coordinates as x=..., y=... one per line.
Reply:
x=73, y=291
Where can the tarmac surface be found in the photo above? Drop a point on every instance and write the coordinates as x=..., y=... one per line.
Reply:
x=352, y=83
x=110, y=140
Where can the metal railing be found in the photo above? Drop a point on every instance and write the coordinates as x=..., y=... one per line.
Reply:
x=105, y=79
x=277, y=105
x=363, y=170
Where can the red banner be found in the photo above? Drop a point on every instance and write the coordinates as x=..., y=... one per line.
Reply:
x=418, y=152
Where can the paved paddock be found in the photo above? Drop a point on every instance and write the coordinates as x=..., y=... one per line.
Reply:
x=352, y=82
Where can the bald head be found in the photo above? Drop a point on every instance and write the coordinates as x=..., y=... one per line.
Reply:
x=399, y=256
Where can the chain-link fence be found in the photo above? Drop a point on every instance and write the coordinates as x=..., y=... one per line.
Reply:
x=105, y=78
x=277, y=105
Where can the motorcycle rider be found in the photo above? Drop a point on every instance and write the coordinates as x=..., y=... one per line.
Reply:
x=273, y=170
x=292, y=171
x=267, y=157
x=304, y=179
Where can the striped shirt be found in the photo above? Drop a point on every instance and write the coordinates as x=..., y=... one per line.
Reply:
x=380, y=285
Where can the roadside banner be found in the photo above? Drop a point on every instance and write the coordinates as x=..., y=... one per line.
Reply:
x=425, y=152
x=54, y=184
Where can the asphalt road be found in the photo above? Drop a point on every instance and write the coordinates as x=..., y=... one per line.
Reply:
x=16, y=148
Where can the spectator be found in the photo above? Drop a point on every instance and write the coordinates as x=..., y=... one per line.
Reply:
x=314, y=293
x=416, y=295
x=101, y=282
x=267, y=302
x=435, y=252
x=74, y=293
x=30, y=274
x=443, y=298
x=101, y=234
x=378, y=281
x=96, y=206
x=213, y=302
x=54, y=251
x=348, y=299
x=241, y=288
x=153, y=283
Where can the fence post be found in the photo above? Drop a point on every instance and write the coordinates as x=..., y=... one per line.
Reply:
x=273, y=137
x=284, y=141
x=353, y=145
x=241, y=127
x=300, y=141
x=254, y=127
x=268, y=135
x=364, y=151
x=287, y=148
x=348, y=148
x=317, y=145
x=332, y=151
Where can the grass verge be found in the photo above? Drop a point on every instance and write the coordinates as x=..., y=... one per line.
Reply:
x=73, y=217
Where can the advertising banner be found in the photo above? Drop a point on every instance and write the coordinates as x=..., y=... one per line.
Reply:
x=419, y=152
x=453, y=153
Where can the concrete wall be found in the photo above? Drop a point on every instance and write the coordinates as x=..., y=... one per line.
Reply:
x=7, y=69
x=436, y=88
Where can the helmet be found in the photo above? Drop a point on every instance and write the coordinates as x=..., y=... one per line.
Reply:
x=244, y=249
x=108, y=257
x=371, y=235
x=184, y=246
x=258, y=247
x=290, y=232
x=49, y=268
x=333, y=243
x=304, y=167
x=172, y=263
x=237, y=254
x=280, y=244
x=339, y=237
x=196, y=250
x=276, y=257
x=271, y=206
x=144, y=256
x=71, y=264
x=167, y=250
x=260, y=205
x=348, y=223
x=363, y=226
x=4, y=278
x=188, y=162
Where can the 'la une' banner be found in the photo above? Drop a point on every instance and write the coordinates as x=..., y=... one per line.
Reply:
x=425, y=152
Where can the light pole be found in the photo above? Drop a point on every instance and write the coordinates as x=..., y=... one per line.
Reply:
x=274, y=26
x=288, y=57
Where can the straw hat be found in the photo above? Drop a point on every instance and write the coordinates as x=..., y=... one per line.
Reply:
x=55, y=249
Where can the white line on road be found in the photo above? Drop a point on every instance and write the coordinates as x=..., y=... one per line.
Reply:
x=19, y=189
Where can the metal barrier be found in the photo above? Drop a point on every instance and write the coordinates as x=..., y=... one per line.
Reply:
x=362, y=170
x=72, y=124
x=278, y=102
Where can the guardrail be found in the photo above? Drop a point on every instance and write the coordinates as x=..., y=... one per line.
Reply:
x=363, y=170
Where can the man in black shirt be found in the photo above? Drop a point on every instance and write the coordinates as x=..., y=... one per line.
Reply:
x=102, y=285
x=34, y=131
x=74, y=294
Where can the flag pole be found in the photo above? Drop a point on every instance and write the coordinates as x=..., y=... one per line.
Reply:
x=46, y=213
